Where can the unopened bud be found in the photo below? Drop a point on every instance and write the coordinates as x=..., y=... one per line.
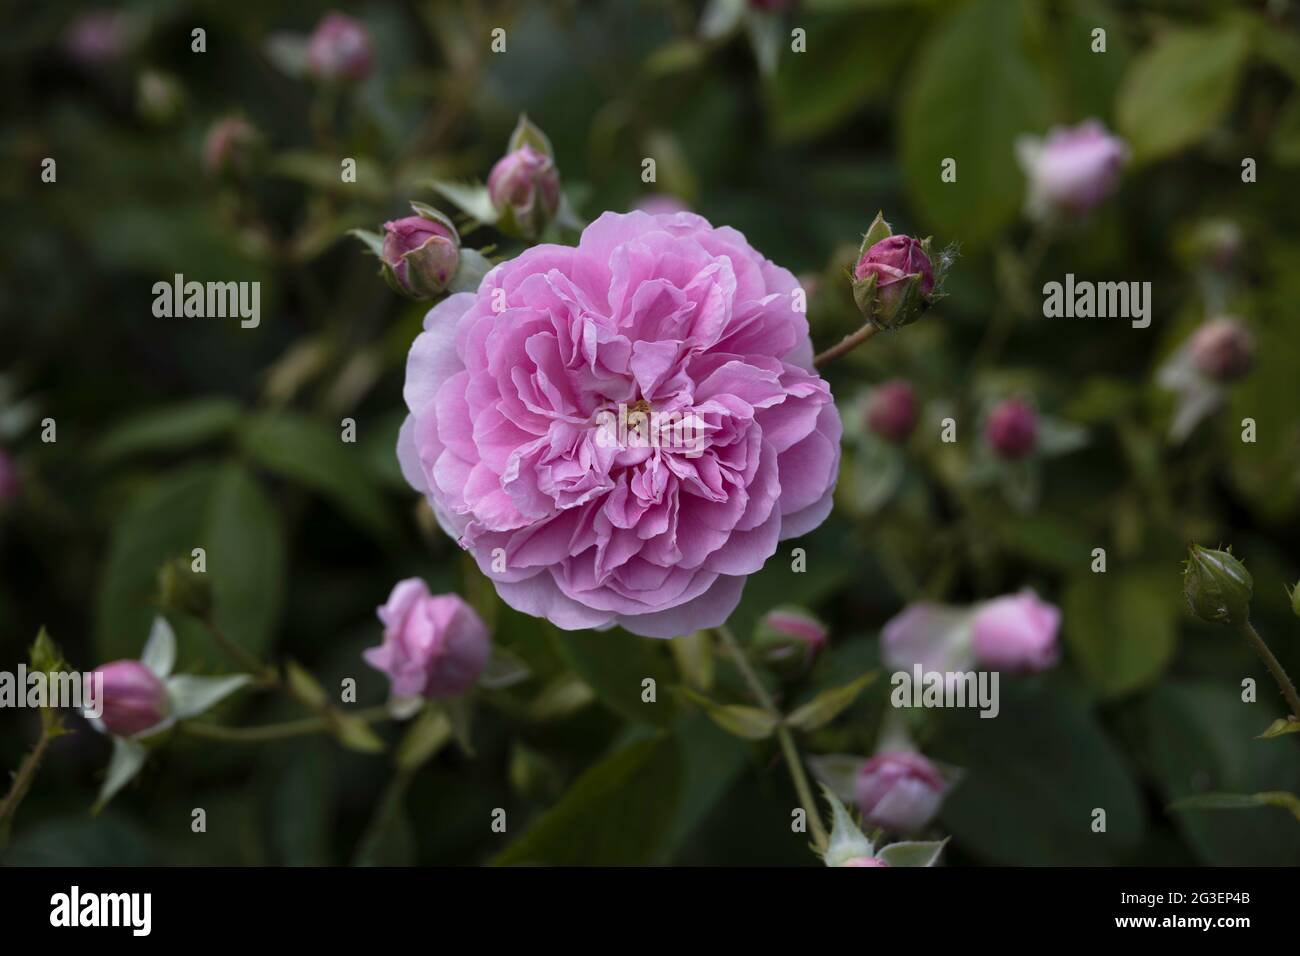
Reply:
x=420, y=254
x=182, y=589
x=1223, y=349
x=892, y=411
x=134, y=698
x=1217, y=586
x=1012, y=428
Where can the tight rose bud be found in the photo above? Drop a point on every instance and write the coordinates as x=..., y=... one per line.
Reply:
x=1217, y=586
x=892, y=411
x=894, y=280
x=338, y=49
x=1016, y=633
x=228, y=145
x=434, y=646
x=1223, y=349
x=524, y=187
x=134, y=698
x=1072, y=170
x=1012, y=428
x=789, y=636
x=420, y=256
x=899, y=791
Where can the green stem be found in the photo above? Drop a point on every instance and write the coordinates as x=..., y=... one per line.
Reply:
x=289, y=728
x=1274, y=667
x=783, y=736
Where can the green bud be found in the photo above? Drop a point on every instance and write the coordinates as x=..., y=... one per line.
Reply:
x=182, y=589
x=1217, y=586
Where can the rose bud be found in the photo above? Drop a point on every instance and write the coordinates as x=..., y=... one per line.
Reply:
x=524, y=187
x=1218, y=242
x=789, y=636
x=1223, y=349
x=899, y=791
x=1016, y=632
x=892, y=411
x=420, y=255
x=1217, y=586
x=98, y=38
x=434, y=646
x=227, y=148
x=894, y=280
x=338, y=49
x=10, y=483
x=1071, y=170
x=134, y=698
x=1012, y=428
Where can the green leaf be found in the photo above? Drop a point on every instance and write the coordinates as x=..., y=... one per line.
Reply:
x=973, y=92
x=221, y=509
x=471, y=198
x=1177, y=90
x=617, y=813
x=751, y=723
x=173, y=428
x=1240, y=801
x=1121, y=626
x=694, y=655
x=829, y=704
x=313, y=454
x=852, y=60
x=469, y=274
x=614, y=664
x=910, y=853
x=1283, y=725
x=428, y=734
x=1033, y=777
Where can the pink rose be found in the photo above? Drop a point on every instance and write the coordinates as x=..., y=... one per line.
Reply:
x=891, y=261
x=525, y=185
x=1071, y=170
x=1016, y=633
x=1012, y=428
x=338, y=49
x=893, y=410
x=899, y=791
x=434, y=646
x=134, y=698
x=513, y=391
x=1222, y=349
x=422, y=255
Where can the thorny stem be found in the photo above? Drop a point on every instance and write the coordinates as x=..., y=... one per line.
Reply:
x=25, y=775
x=846, y=344
x=783, y=735
x=1274, y=667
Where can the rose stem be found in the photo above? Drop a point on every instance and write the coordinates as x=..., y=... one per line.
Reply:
x=788, y=748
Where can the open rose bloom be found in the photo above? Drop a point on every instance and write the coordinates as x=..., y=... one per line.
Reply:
x=664, y=315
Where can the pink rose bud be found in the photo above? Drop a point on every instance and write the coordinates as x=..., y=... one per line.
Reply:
x=1012, y=428
x=228, y=146
x=524, y=187
x=434, y=646
x=1016, y=633
x=134, y=698
x=338, y=49
x=1071, y=170
x=1223, y=349
x=420, y=256
x=10, y=483
x=899, y=791
x=893, y=410
x=98, y=37
x=895, y=262
x=789, y=636
x=865, y=861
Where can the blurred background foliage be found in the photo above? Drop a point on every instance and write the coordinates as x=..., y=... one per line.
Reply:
x=174, y=432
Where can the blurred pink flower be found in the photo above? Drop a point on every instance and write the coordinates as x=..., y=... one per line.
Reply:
x=899, y=790
x=892, y=410
x=10, y=483
x=1072, y=169
x=1011, y=428
x=339, y=49
x=134, y=698
x=510, y=391
x=1222, y=349
x=434, y=646
x=1016, y=633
